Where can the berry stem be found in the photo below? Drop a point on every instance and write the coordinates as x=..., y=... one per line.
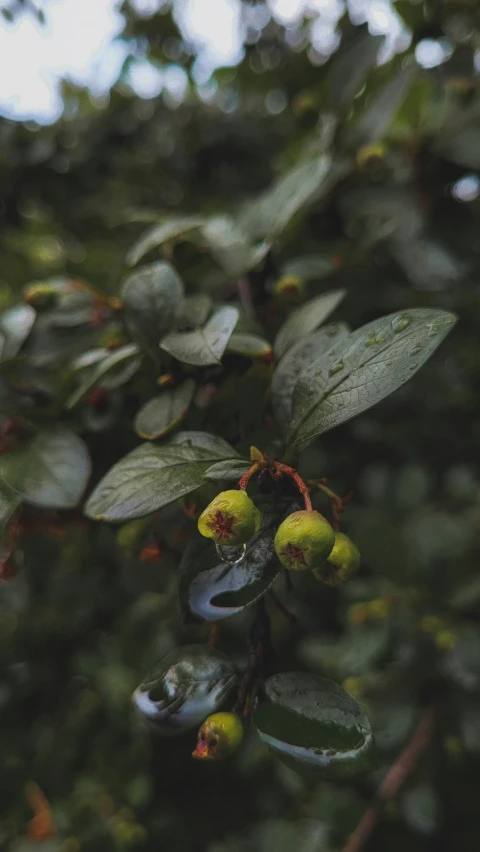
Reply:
x=248, y=475
x=293, y=474
x=338, y=503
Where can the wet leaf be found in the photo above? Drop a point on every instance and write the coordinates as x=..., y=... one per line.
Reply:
x=378, y=116
x=152, y=296
x=358, y=372
x=164, y=411
x=108, y=369
x=160, y=233
x=231, y=247
x=228, y=470
x=315, y=726
x=205, y=345
x=213, y=589
x=350, y=66
x=50, y=472
x=267, y=216
x=184, y=688
x=152, y=476
x=297, y=359
x=194, y=310
x=248, y=345
x=15, y=326
x=306, y=319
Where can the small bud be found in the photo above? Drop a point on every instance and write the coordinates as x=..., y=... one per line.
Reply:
x=303, y=540
x=219, y=736
x=231, y=518
x=343, y=561
x=289, y=288
x=40, y=296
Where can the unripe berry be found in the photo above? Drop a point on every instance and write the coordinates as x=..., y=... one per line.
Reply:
x=303, y=540
x=219, y=736
x=343, y=561
x=231, y=518
x=40, y=296
x=289, y=288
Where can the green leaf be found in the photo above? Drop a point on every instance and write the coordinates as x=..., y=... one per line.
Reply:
x=164, y=411
x=352, y=654
x=205, y=345
x=109, y=369
x=310, y=267
x=194, y=310
x=315, y=726
x=249, y=345
x=213, y=589
x=185, y=687
x=152, y=476
x=306, y=319
x=229, y=470
x=152, y=296
x=427, y=264
x=50, y=472
x=205, y=441
x=297, y=359
x=9, y=502
x=268, y=215
x=15, y=326
x=160, y=233
x=350, y=67
x=377, y=118
x=358, y=372
x=230, y=246
x=376, y=213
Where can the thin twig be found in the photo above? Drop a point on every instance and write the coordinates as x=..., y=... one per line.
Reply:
x=393, y=780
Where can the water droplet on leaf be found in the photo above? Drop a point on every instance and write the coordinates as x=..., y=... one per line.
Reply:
x=400, y=323
x=371, y=339
x=336, y=367
x=233, y=555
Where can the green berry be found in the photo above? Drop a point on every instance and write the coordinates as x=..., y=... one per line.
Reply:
x=303, y=540
x=343, y=561
x=289, y=288
x=231, y=518
x=219, y=736
x=40, y=296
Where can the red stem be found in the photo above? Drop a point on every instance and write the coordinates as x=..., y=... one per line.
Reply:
x=293, y=474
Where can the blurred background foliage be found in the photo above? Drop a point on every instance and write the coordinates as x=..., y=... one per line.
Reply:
x=79, y=626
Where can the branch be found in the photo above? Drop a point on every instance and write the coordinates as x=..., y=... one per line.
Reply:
x=393, y=780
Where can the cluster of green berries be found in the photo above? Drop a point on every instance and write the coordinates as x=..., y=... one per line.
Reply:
x=304, y=540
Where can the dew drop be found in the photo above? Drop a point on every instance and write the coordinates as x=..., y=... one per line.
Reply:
x=380, y=339
x=336, y=367
x=318, y=372
x=413, y=366
x=232, y=555
x=400, y=323
x=371, y=339
x=388, y=363
x=416, y=349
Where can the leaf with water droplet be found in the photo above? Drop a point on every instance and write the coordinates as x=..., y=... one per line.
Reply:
x=301, y=355
x=400, y=322
x=324, y=397
x=335, y=368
